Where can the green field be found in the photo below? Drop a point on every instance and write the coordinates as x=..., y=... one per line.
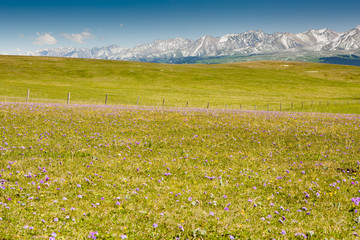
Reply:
x=88, y=171
x=109, y=172
x=249, y=85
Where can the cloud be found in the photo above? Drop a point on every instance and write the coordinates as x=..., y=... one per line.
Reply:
x=78, y=37
x=44, y=39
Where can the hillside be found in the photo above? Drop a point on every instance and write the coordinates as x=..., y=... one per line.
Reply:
x=225, y=85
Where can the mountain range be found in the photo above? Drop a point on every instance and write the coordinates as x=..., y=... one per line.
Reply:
x=324, y=42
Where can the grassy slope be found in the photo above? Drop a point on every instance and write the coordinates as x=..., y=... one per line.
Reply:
x=226, y=84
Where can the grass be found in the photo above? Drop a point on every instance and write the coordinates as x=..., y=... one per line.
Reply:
x=82, y=171
x=110, y=172
x=222, y=86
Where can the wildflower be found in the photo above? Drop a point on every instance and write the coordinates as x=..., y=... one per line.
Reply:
x=123, y=236
x=56, y=219
x=155, y=225
x=356, y=200
x=211, y=214
x=300, y=234
x=92, y=235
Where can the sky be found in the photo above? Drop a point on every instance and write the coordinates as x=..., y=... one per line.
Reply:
x=27, y=25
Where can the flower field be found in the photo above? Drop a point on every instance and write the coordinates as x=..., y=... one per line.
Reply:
x=111, y=172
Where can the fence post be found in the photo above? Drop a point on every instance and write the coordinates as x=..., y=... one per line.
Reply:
x=187, y=103
x=28, y=96
x=226, y=107
x=319, y=103
x=106, y=97
x=208, y=105
x=137, y=102
x=68, y=98
x=164, y=102
x=240, y=107
x=255, y=107
x=292, y=106
x=328, y=103
x=311, y=103
x=280, y=106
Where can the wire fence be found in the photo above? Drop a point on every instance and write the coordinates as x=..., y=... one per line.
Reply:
x=252, y=104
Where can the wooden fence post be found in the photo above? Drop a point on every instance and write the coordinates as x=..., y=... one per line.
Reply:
x=240, y=107
x=164, y=102
x=68, y=98
x=137, y=102
x=106, y=98
x=28, y=96
x=208, y=105
x=255, y=107
x=187, y=103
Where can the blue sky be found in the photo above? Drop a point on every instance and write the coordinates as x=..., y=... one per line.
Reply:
x=26, y=25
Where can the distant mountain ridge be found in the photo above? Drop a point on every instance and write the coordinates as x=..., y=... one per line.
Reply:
x=250, y=42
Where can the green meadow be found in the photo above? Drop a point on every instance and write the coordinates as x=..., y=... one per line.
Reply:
x=157, y=163
x=110, y=172
x=248, y=85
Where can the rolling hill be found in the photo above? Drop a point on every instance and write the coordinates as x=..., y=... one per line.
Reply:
x=252, y=85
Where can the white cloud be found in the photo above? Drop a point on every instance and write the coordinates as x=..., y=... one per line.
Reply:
x=78, y=37
x=44, y=39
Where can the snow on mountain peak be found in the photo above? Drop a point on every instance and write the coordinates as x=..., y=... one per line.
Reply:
x=252, y=41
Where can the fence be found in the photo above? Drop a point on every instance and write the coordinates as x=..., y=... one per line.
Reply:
x=296, y=105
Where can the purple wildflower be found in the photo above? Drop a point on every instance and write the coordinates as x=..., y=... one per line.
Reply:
x=356, y=200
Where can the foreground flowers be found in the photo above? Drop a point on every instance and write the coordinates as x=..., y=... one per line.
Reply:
x=112, y=172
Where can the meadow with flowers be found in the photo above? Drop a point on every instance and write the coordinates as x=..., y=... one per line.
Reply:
x=115, y=172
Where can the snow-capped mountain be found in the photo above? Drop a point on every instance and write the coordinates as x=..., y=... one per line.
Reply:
x=250, y=42
x=349, y=40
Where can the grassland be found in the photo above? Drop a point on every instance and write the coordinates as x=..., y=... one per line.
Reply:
x=90, y=171
x=308, y=86
x=110, y=172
